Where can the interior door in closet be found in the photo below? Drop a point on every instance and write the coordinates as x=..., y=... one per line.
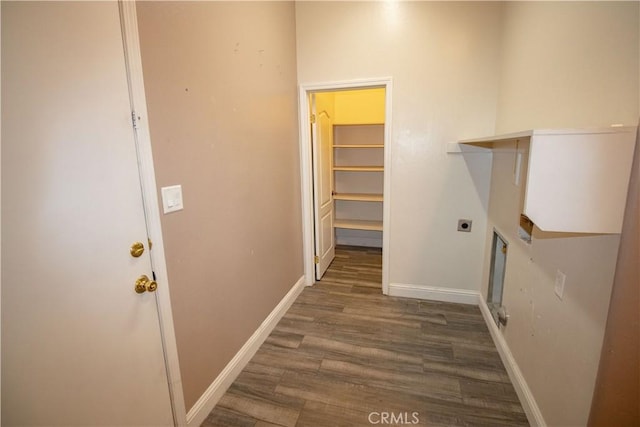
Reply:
x=321, y=137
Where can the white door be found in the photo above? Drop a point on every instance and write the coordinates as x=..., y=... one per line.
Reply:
x=322, y=141
x=79, y=345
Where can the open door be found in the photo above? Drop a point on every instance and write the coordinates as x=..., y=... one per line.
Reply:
x=322, y=141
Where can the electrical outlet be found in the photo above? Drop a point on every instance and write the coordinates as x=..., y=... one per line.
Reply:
x=464, y=225
x=560, y=279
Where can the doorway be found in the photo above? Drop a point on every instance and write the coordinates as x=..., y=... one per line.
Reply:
x=345, y=151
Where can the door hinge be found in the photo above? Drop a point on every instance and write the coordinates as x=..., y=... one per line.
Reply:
x=134, y=119
x=316, y=259
x=313, y=118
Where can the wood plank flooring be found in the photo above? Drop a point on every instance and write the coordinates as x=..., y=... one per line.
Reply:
x=345, y=355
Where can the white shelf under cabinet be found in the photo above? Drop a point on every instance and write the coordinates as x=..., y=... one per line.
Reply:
x=358, y=224
x=577, y=179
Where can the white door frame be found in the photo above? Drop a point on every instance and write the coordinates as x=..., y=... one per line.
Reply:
x=130, y=35
x=306, y=169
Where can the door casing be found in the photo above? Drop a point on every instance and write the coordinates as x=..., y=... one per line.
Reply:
x=306, y=169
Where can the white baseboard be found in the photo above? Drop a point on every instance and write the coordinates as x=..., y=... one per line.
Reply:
x=462, y=296
x=527, y=400
x=201, y=409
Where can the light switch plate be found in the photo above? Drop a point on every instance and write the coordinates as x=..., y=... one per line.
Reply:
x=172, y=198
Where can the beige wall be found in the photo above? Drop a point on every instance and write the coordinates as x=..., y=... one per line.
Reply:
x=564, y=65
x=360, y=106
x=616, y=399
x=443, y=58
x=220, y=80
x=568, y=64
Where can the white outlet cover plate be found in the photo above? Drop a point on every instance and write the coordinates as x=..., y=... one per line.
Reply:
x=172, y=198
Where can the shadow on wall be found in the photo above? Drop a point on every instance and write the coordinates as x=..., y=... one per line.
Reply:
x=616, y=399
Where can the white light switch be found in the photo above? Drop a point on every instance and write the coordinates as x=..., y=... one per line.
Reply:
x=172, y=198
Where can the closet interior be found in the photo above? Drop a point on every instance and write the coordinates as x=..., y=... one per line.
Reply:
x=348, y=137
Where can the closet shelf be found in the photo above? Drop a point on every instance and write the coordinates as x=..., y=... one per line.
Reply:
x=358, y=197
x=358, y=224
x=359, y=168
x=359, y=146
x=358, y=152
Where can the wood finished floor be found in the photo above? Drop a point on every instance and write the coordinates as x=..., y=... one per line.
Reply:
x=344, y=351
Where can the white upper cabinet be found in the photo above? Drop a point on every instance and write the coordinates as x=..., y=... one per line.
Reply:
x=577, y=180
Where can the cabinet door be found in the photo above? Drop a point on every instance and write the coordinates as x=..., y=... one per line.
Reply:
x=578, y=182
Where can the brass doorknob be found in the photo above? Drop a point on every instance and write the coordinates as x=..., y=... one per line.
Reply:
x=136, y=249
x=143, y=284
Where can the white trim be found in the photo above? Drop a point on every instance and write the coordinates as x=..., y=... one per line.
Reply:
x=531, y=409
x=306, y=183
x=386, y=207
x=201, y=409
x=152, y=211
x=306, y=169
x=434, y=293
